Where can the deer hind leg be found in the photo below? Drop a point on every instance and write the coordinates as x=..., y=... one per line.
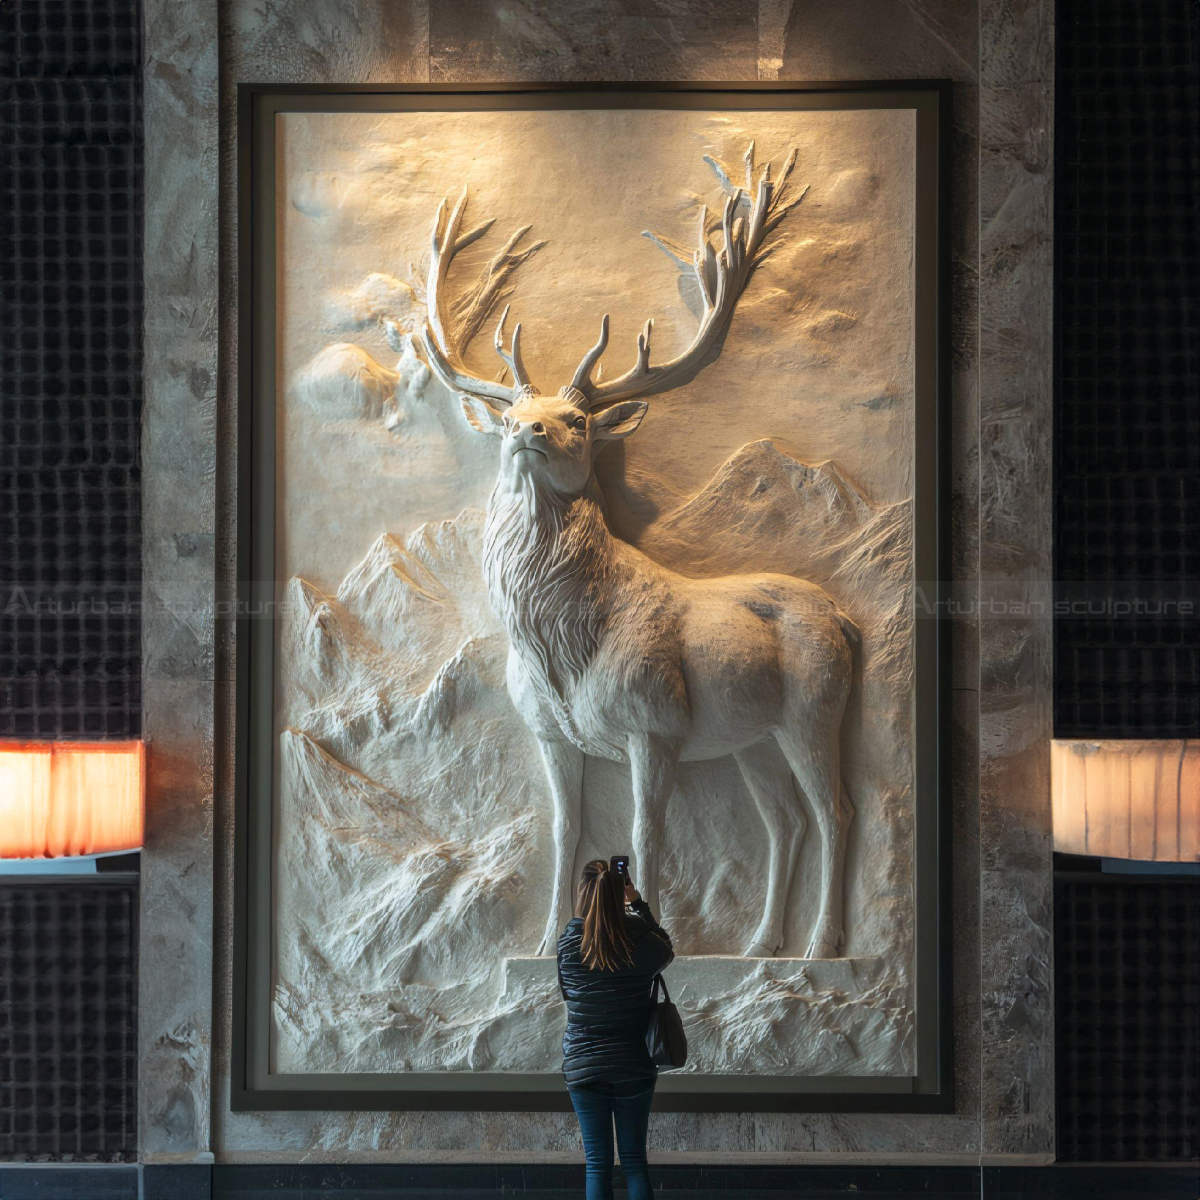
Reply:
x=652, y=761
x=768, y=776
x=817, y=768
x=564, y=772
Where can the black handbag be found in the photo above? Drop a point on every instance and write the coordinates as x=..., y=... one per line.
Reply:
x=665, y=1039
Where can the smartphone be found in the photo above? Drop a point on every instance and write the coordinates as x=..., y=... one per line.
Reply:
x=620, y=864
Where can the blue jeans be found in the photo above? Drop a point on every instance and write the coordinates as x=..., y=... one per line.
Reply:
x=597, y=1116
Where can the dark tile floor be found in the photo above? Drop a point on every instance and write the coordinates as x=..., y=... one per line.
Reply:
x=542, y=1182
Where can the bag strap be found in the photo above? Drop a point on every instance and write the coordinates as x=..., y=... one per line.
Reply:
x=658, y=982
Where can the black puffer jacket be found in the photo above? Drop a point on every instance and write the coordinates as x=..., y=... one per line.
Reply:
x=604, y=1047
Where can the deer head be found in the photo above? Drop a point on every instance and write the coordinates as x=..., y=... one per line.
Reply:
x=550, y=441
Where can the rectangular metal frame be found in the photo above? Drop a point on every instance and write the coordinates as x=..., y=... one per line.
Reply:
x=253, y=1085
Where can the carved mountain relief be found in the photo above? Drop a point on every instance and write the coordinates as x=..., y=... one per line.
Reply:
x=413, y=815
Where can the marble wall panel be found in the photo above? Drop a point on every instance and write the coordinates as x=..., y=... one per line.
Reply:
x=1016, y=220
x=179, y=464
x=483, y=41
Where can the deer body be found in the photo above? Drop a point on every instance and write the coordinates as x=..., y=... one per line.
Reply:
x=614, y=655
x=710, y=665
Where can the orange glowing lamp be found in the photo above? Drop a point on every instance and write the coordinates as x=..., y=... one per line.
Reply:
x=1127, y=799
x=61, y=799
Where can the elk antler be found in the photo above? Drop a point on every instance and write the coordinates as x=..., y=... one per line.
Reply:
x=450, y=328
x=721, y=274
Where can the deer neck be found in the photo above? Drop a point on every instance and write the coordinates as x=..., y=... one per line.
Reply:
x=547, y=562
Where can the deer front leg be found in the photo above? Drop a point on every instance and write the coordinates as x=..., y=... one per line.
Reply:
x=564, y=772
x=652, y=761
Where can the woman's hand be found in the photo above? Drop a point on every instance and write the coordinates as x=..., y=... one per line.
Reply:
x=631, y=893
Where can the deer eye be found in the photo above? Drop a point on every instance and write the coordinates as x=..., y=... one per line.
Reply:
x=579, y=423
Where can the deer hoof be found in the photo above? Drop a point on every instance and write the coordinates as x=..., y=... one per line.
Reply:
x=821, y=949
x=758, y=950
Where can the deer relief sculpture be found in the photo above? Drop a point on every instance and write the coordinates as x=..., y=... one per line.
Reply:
x=614, y=655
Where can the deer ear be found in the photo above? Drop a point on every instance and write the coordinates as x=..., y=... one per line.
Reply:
x=619, y=421
x=482, y=416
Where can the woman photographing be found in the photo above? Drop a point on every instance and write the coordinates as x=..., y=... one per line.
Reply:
x=607, y=960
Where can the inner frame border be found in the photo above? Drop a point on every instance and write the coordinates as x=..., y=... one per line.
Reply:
x=253, y=1087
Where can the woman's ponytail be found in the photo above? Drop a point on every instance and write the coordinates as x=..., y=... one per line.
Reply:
x=606, y=945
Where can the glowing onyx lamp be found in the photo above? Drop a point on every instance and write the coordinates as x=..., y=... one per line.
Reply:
x=1127, y=799
x=61, y=799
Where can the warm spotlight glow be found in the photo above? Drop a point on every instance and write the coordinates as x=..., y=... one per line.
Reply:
x=70, y=798
x=1127, y=799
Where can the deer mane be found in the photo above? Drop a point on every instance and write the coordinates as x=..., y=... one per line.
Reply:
x=548, y=565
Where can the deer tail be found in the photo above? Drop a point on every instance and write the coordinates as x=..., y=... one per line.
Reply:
x=849, y=629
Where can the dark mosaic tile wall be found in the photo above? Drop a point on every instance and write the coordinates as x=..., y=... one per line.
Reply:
x=70, y=368
x=1127, y=531
x=1127, y=1021
x=68, y=1021
x=70, y=543
x=1127, y=310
